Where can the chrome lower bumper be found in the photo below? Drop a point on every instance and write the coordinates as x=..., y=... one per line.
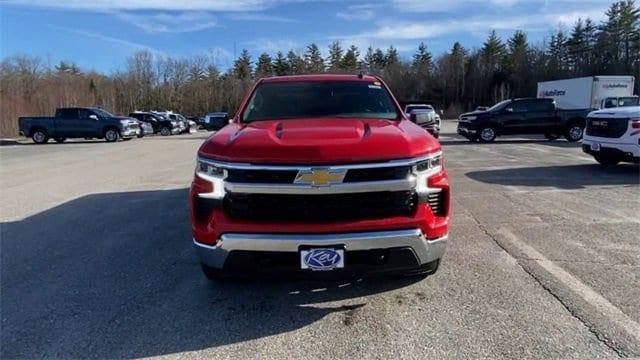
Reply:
x=426, y=250
x=129, y=133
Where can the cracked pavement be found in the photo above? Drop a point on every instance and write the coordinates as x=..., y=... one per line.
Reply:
x=96, y=262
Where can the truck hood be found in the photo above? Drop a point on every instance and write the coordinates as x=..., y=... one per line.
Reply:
x=118, y=118
x=319, y=141
x=476, y=113
x=628, y=111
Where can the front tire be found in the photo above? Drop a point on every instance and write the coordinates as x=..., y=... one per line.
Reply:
x=487, y=134
x=111, y=135
x=574, y=132
x=40, y=136
x=165, y=131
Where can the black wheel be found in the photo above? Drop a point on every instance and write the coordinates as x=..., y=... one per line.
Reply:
x=487, y=134
x=40, y=136
x=606, y=160
x=551, y=136
x=574, y=132
x=212, y=274
x=60, y=140
x=111, y=135
x=165, y=131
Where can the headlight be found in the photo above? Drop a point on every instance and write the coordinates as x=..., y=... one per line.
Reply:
x=469, y=118
x=215, y=175
x=432, y=164
x=174, y=123
x=424, y=170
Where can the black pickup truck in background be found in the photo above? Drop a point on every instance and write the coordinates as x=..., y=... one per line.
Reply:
x=78, y=122
x=523, y=116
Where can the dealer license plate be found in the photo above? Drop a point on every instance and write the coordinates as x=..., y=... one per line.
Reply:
x=322, y=259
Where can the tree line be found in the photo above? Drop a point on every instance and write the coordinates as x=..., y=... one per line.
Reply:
x=455, y=81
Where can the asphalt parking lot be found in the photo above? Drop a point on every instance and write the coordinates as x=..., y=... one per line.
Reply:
x=97, y=262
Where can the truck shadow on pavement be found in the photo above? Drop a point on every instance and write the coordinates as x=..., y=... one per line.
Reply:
x=561, y=177
x=115, y=276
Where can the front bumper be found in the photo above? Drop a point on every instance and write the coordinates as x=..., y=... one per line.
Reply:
x=131, y=132
x=623, y=152
x=410, y=240
x=466, y=131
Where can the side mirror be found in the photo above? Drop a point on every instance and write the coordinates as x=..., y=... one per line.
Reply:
x=94, y=117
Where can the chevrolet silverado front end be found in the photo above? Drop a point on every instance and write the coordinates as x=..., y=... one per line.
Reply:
x=320, y=173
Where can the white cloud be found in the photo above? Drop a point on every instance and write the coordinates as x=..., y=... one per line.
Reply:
x=447, y=5
x=361, y=14
x=479, y=25
x=571, y=17
x=92, y=35
x=259, y=17
x=107, y=5
x=170, y=23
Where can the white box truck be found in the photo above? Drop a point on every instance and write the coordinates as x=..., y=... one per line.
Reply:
x=591, y=92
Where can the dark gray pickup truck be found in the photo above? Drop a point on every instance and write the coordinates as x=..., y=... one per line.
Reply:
x=78, y=122
x=523, y=116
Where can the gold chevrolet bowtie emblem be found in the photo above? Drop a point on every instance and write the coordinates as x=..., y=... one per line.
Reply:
x=320, y=177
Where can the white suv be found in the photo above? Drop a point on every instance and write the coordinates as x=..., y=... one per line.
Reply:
x=613, y=135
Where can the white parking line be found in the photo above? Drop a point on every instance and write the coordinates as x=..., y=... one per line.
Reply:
x=579, y=288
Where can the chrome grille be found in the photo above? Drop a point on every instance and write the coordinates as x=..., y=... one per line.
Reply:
x=606, y=127
x=288, y=176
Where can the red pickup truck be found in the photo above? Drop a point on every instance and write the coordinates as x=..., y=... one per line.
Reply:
x=317, y=174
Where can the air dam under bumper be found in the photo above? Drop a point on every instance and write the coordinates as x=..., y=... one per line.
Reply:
x=425, y=250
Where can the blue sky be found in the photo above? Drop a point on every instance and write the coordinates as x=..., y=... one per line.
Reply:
x=100, y=34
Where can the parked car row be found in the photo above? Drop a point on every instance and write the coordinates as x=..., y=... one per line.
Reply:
x=95, y=122
x=160, y=124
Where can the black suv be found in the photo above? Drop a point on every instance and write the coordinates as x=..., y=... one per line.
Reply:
x=523, y=116
x=159, y=123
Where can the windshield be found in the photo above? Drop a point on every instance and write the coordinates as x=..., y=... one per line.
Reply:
x=419, y=107
x=628, y=101
x=499, y=105
x=101, y=113
x=288, y=100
